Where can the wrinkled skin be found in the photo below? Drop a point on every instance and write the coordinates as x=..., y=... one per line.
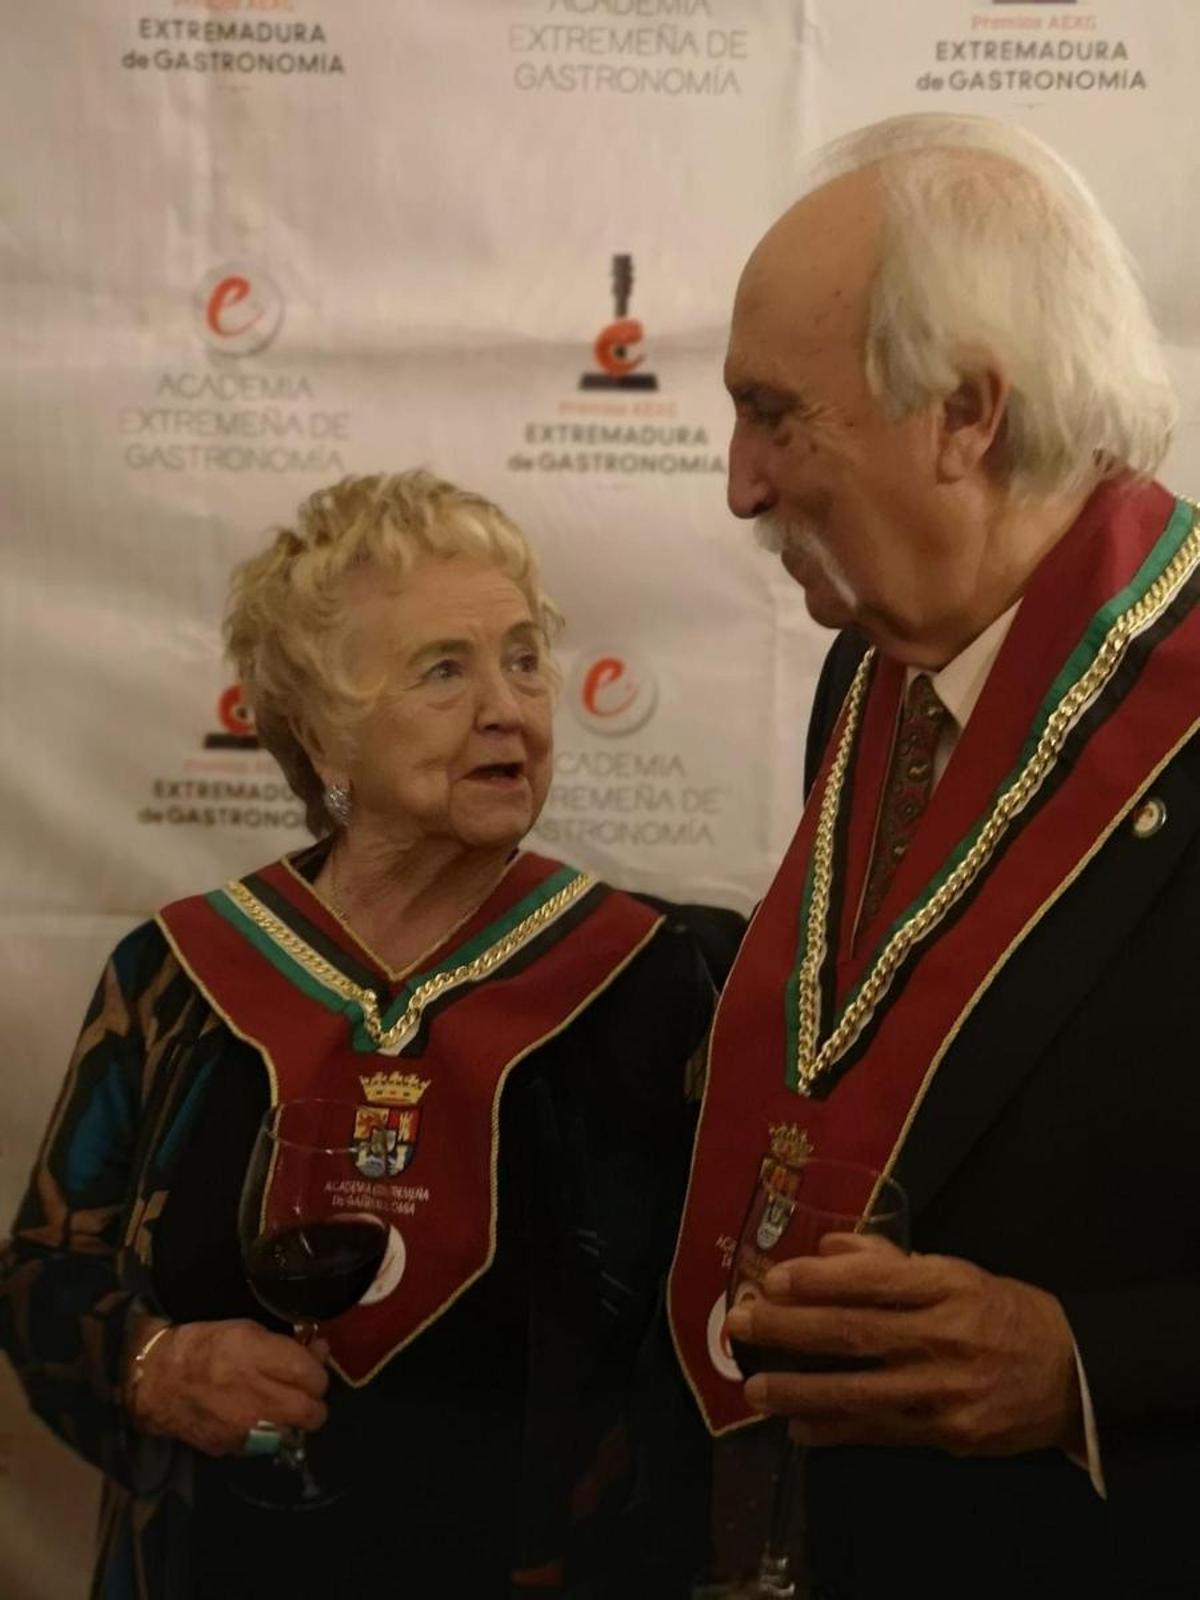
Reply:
x=208, y=1383
x=970, y=1363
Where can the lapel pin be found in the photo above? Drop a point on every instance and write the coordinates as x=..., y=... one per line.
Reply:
x=1149, y=818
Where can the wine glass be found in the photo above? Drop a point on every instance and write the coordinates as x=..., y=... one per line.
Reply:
x=796, y=1201
x=306, y=1258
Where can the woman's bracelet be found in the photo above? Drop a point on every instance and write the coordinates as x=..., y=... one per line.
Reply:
x=137, y=1367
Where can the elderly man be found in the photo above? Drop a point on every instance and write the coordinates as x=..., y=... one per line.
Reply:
x=976, y=968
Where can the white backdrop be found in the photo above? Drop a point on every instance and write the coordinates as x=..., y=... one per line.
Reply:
x=249, y=245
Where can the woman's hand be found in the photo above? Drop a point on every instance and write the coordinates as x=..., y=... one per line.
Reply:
x=208, y=1383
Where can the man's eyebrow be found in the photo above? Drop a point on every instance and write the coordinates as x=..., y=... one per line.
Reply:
x=760, y=393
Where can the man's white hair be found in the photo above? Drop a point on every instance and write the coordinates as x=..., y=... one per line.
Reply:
x=1008, y=260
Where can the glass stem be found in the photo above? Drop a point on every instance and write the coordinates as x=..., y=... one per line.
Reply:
x=775, y=1581
x=292, y=1451
x=294, y=1456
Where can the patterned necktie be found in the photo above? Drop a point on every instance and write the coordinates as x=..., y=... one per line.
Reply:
x=909, y=785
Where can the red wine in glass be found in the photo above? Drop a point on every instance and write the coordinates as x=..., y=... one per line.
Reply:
x=313, y=1271
x=306, y=1258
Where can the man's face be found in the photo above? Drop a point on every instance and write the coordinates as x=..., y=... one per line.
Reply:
x=845, y=495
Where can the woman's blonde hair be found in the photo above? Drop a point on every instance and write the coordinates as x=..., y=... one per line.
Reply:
x=286, y=625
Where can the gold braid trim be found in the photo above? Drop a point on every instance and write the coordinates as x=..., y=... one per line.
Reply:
x=808, y=996
x=386, y=1040
x=812, y=1062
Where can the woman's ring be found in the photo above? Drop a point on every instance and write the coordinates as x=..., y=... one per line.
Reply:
x=263, y=1439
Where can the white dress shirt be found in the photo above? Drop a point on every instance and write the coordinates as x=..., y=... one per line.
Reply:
x=960, y=683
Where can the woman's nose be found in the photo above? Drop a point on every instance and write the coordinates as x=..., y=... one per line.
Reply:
x=499, y=705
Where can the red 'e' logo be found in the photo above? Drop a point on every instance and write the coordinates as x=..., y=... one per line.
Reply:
x=229, y=292
x=236, y=716
x=613, y=345
x=611, y=693
x=239, y=307
x=602, y=675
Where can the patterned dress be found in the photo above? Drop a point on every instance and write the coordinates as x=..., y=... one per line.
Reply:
x=609, y=1483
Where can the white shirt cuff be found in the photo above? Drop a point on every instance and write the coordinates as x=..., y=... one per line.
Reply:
x=1092, y=1465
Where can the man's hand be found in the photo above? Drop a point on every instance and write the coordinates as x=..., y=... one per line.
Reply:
x=208, y=1383
x=960, y=1360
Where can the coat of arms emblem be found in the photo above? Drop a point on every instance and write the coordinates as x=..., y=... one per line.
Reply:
x=386, y=1129
x=780, y=1177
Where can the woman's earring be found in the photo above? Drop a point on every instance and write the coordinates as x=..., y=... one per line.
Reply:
x=337, y=803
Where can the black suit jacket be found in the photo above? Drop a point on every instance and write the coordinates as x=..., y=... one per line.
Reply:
x=1060, y=1144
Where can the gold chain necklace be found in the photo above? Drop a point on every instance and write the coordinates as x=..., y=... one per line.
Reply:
x=813, y=1058
x=394, y=973
x=388, y=1039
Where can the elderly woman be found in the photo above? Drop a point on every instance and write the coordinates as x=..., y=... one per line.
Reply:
x=502, y=1416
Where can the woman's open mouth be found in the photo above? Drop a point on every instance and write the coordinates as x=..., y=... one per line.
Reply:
x=502, y=774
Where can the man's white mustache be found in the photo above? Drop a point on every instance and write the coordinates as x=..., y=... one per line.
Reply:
x=784, y=537
x=779, y=536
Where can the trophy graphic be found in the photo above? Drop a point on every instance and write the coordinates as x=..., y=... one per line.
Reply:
x=616, y=345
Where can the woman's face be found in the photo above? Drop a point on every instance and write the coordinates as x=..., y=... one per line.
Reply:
x=459, y=745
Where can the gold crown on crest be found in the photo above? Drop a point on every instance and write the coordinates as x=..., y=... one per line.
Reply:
x=394, y=1088
x=790, y=1143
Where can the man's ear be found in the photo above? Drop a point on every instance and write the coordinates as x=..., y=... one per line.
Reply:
x=970, y=420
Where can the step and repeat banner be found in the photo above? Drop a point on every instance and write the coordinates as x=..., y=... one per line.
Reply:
x=251, y=245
